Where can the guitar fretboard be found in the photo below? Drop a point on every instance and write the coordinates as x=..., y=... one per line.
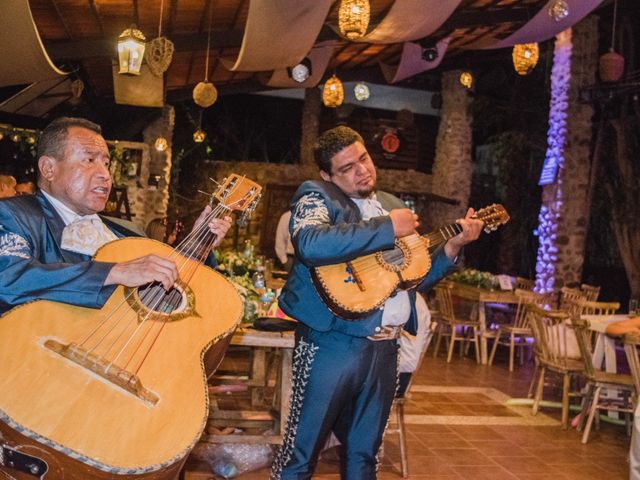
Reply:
x=443, y=234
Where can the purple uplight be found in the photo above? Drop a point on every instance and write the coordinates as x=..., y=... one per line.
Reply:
x=553, y=164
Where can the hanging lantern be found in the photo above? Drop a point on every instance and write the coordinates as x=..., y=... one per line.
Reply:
x=611, y=66
x=466, y=79
x=15, y=137
x=205, y=94
x=199, y=135
x=161, y=144
x=525, y=57
x=159, y=55
x=353, y=18
x=559, y=10
x=131, y=44
x=332, y=93
x=361, y=91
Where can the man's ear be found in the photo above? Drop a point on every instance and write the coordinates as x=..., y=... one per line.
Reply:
x=325, y=176
x=46, y=165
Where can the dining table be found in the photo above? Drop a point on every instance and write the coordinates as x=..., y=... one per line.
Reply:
x=484, y=298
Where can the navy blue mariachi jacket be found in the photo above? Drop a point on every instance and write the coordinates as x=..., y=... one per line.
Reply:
x=34, y=266
x=326, y=228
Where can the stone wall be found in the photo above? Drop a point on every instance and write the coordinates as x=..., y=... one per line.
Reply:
x=294, y=175
x=147, y=200
x=452, y=166
x=565, y=210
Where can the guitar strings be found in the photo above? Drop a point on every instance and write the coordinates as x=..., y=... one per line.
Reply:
x=116, y=320
x=369, y=263
x=193, y=243
x=157, y=292
x=204, y=238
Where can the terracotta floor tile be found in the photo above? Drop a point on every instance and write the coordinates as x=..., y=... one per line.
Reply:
x=441, y=440
x=518, y=465
x=476, y=432
x=441, y=451
x=462, y=456
x=498, y=448
x=484, y=473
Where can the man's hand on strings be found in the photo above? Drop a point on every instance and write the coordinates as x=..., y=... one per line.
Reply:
x=144, y=270
x=471, y=230
x=218, y=226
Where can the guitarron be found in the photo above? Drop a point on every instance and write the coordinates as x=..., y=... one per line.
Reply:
x=356, y=288
x=121, y=390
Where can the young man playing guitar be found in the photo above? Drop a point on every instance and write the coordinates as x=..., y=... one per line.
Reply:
x=344, y=372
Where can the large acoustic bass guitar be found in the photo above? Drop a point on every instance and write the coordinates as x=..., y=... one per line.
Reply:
x=354, y=289
x=121, y=391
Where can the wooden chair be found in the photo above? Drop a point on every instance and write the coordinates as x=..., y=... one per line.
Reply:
x=397, y=408
x=570, y=299
x=597, y=308
x=525, y=284
x=590, y=291
x=631, y=344
x=556, y=351
x=597, y=379
x=518, y=330
x=448, y=324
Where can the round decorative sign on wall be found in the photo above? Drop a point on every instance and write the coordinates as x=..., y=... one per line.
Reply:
x=390, y=142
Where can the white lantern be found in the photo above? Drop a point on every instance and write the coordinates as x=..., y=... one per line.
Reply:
x=131, y=45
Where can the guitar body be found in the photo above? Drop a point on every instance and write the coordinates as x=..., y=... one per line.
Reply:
x=91, y=421
x=355, y=289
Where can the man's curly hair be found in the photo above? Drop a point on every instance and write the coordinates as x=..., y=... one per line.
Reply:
x=332, y=142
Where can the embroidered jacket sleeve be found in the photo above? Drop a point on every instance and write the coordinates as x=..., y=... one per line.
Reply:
x=31, y=270
x=322, y=236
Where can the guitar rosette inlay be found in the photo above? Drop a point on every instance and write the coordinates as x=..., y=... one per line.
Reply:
x=155, y=303
x=397, y=259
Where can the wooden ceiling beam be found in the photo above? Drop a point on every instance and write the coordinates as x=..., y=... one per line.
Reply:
x=96, y=15
x=489, y=17
x=61, y=18
x=102, y=47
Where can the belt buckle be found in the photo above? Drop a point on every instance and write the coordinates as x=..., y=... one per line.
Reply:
x=386, y=333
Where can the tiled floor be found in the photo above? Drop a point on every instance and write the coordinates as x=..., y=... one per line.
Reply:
x=462, y=422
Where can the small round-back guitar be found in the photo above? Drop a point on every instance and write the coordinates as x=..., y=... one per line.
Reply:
x=354, y=289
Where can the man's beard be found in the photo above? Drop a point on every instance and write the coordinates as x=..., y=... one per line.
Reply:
x=366, y=192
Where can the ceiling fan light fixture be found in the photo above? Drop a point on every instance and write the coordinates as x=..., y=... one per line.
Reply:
x=353, y=18
x=131, y=46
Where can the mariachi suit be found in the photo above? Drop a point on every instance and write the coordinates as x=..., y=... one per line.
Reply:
x=34, y=266
x=343, y=382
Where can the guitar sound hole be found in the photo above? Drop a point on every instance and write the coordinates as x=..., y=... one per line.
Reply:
x=393, y=257
x=157, y=299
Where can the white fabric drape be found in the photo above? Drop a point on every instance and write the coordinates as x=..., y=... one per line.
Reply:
x=22, y=56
